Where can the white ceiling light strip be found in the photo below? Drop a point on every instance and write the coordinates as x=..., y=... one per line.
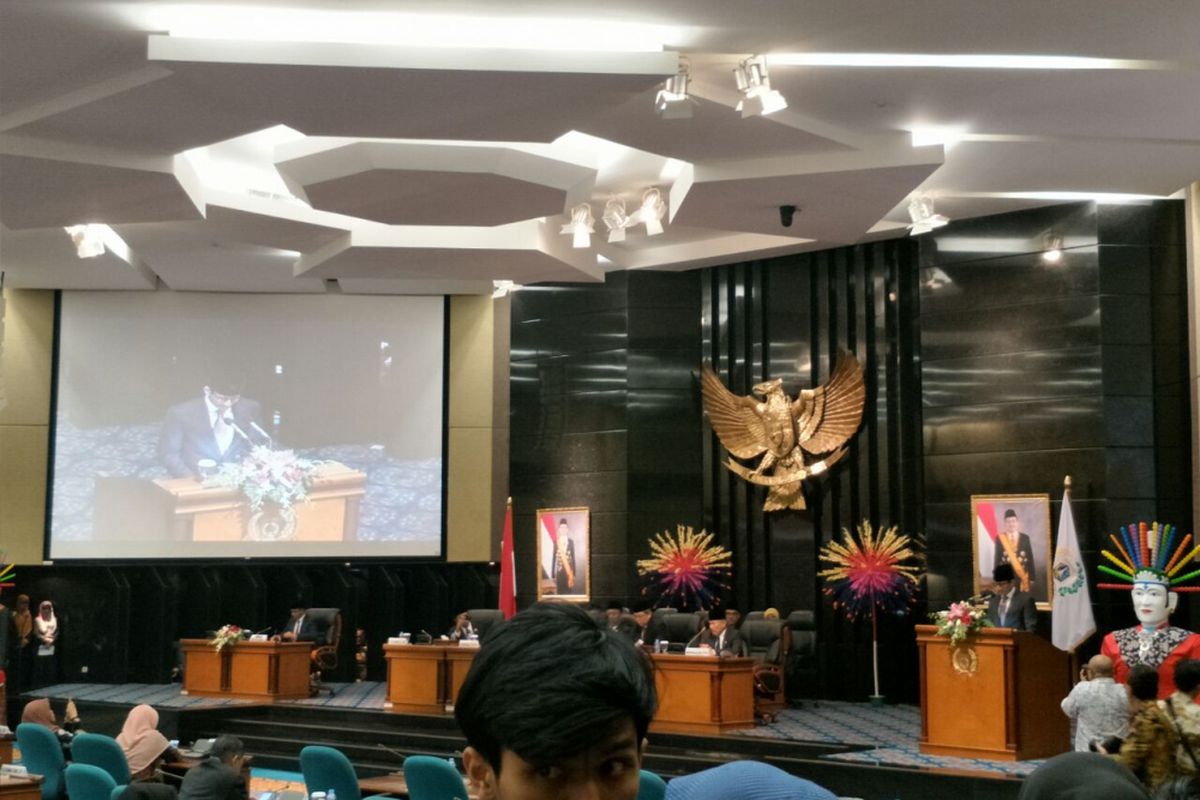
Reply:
x=967, y=61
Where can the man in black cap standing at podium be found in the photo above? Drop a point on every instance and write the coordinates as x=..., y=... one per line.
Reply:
x=1009, y=607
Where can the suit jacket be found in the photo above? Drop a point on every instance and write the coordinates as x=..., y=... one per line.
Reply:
x=648, y=635
x=212, y=779
x=1024, y=555
x=309, y=630
x=1022, y=612
x=734, y=644
x=187, y=436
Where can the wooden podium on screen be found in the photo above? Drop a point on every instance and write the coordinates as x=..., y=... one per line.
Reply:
x=995, y=696
x=201, y=513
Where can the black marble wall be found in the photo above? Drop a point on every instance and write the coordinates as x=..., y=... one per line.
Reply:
x=118, y=623
x=1033, y=369
x=604, y=415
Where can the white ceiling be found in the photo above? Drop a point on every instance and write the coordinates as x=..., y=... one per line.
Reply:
x=232, y=163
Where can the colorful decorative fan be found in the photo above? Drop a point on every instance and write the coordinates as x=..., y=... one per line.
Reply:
x=1147, y=552
x=870, y=573
x=686, y=570
x=6, y=572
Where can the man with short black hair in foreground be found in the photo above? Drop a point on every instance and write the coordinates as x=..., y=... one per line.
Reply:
x=555, y=705
x=218, y=777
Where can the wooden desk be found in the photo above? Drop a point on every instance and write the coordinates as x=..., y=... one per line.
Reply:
x=394, y=784
x=29, y=788
x=6, y=748
x=425, y=678
x=179, y=768
x=250, y=670
x=703, y=694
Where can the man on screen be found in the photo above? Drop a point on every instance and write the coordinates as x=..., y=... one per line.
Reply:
x=219, y=427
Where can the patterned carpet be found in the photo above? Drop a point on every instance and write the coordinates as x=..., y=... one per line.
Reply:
x=890, y=733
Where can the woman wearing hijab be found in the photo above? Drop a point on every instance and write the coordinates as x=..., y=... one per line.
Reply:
x=45, y=632
x=144, y=746
x=23, y=645
x=39, y=712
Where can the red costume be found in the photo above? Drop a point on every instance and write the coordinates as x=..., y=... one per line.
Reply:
x=1162, y=649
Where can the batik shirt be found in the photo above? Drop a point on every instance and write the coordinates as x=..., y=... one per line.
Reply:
x=1099, y=708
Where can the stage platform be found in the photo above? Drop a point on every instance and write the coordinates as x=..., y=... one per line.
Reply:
x=855, y=749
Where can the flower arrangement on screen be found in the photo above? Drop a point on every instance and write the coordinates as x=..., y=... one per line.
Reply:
x=685, y=569
x=276, y=476
x=227, y=636
x=959, y=621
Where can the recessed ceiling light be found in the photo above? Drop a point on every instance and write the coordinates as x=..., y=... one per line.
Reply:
x=961, y=61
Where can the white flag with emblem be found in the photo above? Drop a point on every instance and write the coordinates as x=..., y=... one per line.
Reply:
x=1072, y=621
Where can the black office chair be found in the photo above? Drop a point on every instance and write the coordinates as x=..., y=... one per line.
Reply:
x=482, y=619
x=803, y=668
x=768, y=640
x=752, y=616
x=325, y=648
x=680, y=628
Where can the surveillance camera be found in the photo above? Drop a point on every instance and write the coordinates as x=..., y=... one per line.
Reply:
x=786, y=213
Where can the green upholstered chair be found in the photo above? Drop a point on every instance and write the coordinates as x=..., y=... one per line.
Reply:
x=42, y=755
x=86, y=782
x=430, y=778
x=101, y=751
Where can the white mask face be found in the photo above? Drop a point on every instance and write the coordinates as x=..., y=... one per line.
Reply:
x=1150, y=603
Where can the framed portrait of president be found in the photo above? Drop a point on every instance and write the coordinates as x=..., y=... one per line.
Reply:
x=1013, y=529
x=564, y=554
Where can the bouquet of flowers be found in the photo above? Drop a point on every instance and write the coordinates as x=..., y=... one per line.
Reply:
x=278, y=476
x=227, y=636
x=959, y=621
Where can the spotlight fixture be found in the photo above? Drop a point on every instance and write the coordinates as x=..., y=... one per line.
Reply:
x=503, y=287
x=88, y=240
x=615, y=219
x=920, y=211
x=580, y=226
x=758, y=98
x=1052, y=254
x=652, y=211
x=672, y=100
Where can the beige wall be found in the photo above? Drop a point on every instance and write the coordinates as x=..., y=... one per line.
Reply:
x=1192, y=211
x=477, y=451
x=25, y=422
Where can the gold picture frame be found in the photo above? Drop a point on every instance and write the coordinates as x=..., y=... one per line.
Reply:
x=564, y=573
x=993, y=514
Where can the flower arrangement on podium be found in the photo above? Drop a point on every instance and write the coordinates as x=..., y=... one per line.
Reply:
x=227, y=636
x=871, y=572
x=274, y=480
x=959, y=621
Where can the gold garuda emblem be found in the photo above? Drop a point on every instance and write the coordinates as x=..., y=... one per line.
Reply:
x=796, y=438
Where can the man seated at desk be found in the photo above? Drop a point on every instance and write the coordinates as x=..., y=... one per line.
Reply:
x=462, y=628
x=300, y=627
x=645, y=631
x=218, y=777
x=719, y=637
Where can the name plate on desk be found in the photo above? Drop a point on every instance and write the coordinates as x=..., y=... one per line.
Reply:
x=258, y=637
x=398, y=640
x=13, y=771
x=698, y=651
x=473, y=643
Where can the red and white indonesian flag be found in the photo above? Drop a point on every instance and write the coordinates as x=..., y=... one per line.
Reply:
x=1071, y=621
x=508, y=567
x=986, y=530
x=548, y=532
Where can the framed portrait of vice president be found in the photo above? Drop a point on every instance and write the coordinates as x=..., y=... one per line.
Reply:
x=1013, y=529
x=564, y=554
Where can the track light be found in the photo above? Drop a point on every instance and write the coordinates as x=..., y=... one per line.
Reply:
x=920, y=211
x=580, y=226
x=88, y=240
x=503, y=288
x=673, y=101
x=615, y=219
x=652, y=211
x=1052, y=254
x=758, y=98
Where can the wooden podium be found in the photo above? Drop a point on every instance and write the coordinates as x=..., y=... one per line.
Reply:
x=247, y=670
x=425, y=678
x=995, y=696
x=703, y=694
x=197, y=513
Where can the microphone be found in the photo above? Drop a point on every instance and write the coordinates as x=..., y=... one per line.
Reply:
x=264, y=630
x=425, y=636
x=262, y=433
x=228, y=420
x=398, y=753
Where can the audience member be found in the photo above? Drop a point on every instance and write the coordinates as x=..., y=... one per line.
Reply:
x=771, y=613
x=462, y=627
x=144, y=746
x=554, y=705
x=1149, y=749
x=612, y=615
x=24, y=647
x=1082, y=776
x=45, y=630
x=1184, y=787
x=718, y=637
x=218, y=777
x=39, y=712
x=1185, y=714
x=745, y=780
x=1097, y=705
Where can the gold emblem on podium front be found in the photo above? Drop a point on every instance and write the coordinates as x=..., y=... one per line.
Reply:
x=964, y=660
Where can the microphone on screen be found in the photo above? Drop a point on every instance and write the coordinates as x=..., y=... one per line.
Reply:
x=228, y=420
x=261, y=432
